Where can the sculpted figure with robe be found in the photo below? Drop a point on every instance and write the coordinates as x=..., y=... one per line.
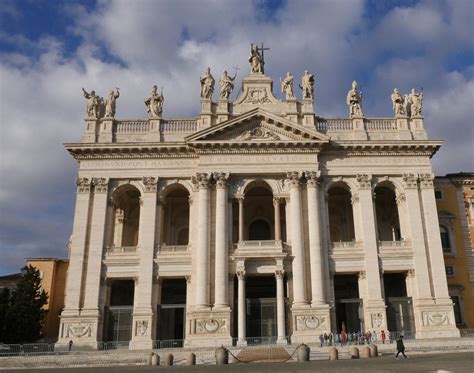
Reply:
x=93, y=109
x=398, y=103
x=110, y=103
x=416, y=100
x=227, y=85
x=307, y=85
x=354, y=99
x=255, y=60
x=154, y=103
x=287, y=86
x=207, y=85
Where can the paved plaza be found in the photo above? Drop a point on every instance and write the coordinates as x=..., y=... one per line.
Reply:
x=445, y=362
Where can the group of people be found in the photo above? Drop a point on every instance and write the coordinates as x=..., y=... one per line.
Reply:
x=355, y=338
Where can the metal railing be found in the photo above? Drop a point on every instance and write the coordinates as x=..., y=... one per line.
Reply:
x=467, y=333
x=170, y=343
x=113, y=345
x=26, y=349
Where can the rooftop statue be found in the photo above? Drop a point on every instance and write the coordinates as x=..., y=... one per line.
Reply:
x=287, y=86
x=354, y=99
x=398, y=103
x=227, y=85
x=416, y=100
x=110, y=103
x=256, y=59
x=307, y=85
x=207, y=85
x=154, y=104
x=94, y=104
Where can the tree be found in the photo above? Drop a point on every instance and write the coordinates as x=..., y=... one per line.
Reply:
x=25, y=316
x=4, y=305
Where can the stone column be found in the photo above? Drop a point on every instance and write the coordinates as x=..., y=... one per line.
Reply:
x=241, y=218
x=276, y=207
x=315, y=249
x=220, y=284
x=413, y=210
x=79, y=234
x=435, y=252
x=241, y=309
x=202, y=249
x=280, y=301
x=374, y=306
x=143, y=312
x=299, y=298
x=96, y=247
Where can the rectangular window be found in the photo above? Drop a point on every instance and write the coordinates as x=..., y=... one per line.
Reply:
x=457, y=309
x=449, y=270
x=438, y=194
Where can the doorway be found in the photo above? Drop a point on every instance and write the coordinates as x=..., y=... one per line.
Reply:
x=172, y=313
x=349, y=311
x=399, y=306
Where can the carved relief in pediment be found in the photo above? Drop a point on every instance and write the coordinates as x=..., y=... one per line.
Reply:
x=258, y=133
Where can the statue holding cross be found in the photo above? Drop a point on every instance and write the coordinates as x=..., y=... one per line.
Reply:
x=256, y=59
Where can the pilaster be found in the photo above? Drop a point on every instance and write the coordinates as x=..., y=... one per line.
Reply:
x=105, y=132
x=205, y=120
x=402, y=127
x=358, y=128
x=417, y=128
x=143, y=312
x=307, y=113
x=222, y=111
x=91, y=133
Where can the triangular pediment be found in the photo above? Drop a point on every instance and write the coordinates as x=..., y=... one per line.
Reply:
x=257, y=125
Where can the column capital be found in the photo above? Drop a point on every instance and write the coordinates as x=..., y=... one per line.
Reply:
x=221, y=179
x=240, y=274
x=276, y=200
x=83, y=184
x=354, y=198
x=100, y=184
x=150, y=184
x=426, y=180
x=240, y=198
x=410, y=181
x=362, y=275
x=294, y=178
x=312, y=178
x=364, y=181
x=201, y=180
x=400, y=197
x=279, y=273
x=188, y=279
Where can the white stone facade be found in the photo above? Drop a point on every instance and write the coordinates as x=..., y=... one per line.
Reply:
x=257, y=158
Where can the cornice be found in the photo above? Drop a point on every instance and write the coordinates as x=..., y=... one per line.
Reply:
x=384, y=147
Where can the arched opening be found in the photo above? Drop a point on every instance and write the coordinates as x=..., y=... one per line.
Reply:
x=260, y=230
x=127, y=216
x=386, y=211
x=176, y=217
x=259, y=212
x=341, y=218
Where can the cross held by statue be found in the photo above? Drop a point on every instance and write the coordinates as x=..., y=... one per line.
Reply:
x=262, y=49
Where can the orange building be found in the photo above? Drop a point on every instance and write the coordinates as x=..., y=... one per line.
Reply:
x=53, y=280
x=455, y=202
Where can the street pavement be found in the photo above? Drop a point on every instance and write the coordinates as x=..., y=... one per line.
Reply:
x=444, y=362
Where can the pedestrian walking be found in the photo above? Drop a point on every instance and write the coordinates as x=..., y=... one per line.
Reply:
x=326, y=339
x=400, y=347
x=382, y=336
x=343, y=337
x=321, y=339
x=70, y=345
x=330, y=339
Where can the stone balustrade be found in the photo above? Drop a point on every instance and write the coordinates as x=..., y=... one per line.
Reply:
x=121, y=249
x=167, y=249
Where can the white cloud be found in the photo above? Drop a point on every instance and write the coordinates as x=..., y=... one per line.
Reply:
x=170, y=44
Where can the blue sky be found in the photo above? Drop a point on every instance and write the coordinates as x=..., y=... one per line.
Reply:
x=50, y=49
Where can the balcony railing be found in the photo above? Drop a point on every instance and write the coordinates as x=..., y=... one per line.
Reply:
x=122, y=249
x=388, y=244
x=344, y=244
x=166, y=249
x=264, y=243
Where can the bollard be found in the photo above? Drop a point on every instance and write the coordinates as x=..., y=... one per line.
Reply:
x=191, y=359
x=303, y=352
x=374, y=350
x=366, y=352
x=155, y=359
x=222, y=356
x=333, y=354
x=169, y=359
x=354, y=353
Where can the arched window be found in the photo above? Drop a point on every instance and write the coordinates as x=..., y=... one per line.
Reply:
x=176, y=217
x=127, y=216
x=260, y=230
x=341, y=219
x=386, y=211
x=445, y=240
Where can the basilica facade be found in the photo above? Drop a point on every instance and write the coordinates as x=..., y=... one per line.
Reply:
x=257, y=219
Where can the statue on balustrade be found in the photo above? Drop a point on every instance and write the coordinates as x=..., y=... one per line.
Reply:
x=110, y=103
x=207, y=85
x=354, y=99
x=154, y=103
x=398, y=103
x=287, y=86
x=94, y=104
x=416, y=100
x=307, y=85
x=227, y=85
x=255, y=60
